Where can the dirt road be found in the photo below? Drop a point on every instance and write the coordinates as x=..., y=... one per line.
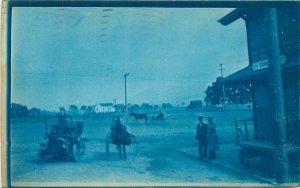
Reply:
x=155, y=159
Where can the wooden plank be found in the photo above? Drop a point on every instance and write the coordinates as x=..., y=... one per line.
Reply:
x=255, y=144
x=267, y=145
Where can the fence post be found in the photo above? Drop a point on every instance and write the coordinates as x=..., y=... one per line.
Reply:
x=236, y=130
x=246, y=129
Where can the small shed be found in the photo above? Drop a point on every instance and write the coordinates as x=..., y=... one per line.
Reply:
x=195, y=104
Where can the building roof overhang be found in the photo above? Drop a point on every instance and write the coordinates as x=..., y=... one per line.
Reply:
x=248, y=74
x=244, y=75
x=232, y=16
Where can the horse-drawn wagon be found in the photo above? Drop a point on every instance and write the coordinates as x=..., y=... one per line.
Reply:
x=63, y=139
x=118, y=136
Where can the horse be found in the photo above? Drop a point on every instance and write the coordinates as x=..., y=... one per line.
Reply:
x=120, y=137
x=139, y=116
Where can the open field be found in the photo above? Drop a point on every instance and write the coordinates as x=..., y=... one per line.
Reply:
x=154, y=159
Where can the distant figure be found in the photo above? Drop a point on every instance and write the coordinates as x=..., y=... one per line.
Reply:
x=201, y=136
x=212, y=139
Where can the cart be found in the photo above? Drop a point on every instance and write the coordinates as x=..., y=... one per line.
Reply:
x=261, y=150
x=119, y=137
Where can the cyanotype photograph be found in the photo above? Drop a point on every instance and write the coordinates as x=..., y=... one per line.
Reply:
x=152, y=94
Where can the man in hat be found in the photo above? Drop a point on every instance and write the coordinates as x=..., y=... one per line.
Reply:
x=201, y=136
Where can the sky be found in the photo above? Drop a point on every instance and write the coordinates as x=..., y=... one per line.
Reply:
x=63, y=56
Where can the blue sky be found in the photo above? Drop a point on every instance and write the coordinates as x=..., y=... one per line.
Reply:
x=79, y=55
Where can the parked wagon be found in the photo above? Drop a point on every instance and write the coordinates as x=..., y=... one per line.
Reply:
x=253, y=149
x=63, y=139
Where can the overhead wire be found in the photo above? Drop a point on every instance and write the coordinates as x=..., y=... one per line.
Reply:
x=51, y=73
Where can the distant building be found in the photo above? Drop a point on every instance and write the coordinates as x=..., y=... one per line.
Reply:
x=104, y=108
x=195, y=104
x=17, y=110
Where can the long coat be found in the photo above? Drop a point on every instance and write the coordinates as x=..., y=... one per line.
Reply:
x=212, y=138
x=201, y=133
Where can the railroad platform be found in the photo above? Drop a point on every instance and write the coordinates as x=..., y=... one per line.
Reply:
x=227, y=157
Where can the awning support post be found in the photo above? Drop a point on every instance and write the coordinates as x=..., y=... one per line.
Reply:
x=281, y=153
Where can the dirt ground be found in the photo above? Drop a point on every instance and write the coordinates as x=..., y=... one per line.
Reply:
x=155, y=159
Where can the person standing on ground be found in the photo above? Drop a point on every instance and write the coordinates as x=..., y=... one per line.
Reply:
x=212, y=139
x=201, y=136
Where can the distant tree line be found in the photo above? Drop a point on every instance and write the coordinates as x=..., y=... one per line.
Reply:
x=18, y=110
x=235, y=94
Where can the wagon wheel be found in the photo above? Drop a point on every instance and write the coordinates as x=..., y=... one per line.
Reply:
x=41, y=157
x=244, y=157
x=267, y=159
x=107, y=141
x=76, y=152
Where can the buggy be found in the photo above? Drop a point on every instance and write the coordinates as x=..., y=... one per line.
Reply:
x=63, y=139
x=118, y=136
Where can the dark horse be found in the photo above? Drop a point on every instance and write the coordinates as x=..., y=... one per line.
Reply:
x=120, y=137
x=139, y=116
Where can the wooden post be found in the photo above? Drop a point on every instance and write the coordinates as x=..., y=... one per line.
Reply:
x=281, y=154
x=236, y=130
x=246, y=130
x=126, y=111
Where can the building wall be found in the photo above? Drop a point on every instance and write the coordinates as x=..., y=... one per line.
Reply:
x=289, y=35
x=263, y=113
x=288, y=23
x=291, y=88
x=256, y=40
x=104, y=109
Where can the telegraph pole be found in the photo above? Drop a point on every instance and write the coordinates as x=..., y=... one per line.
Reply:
x=125, y=77
x=223, y=87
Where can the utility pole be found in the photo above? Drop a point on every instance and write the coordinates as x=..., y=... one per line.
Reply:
x=281, y=153
x=223, y=87
x=126, y=113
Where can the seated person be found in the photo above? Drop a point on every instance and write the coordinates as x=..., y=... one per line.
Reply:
x=119, y=133
x=61, y=128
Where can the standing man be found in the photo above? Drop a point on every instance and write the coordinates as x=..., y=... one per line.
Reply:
x=201, y=136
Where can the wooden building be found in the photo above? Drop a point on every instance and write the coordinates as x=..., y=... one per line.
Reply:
x=269, y=132
x=104, y=108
